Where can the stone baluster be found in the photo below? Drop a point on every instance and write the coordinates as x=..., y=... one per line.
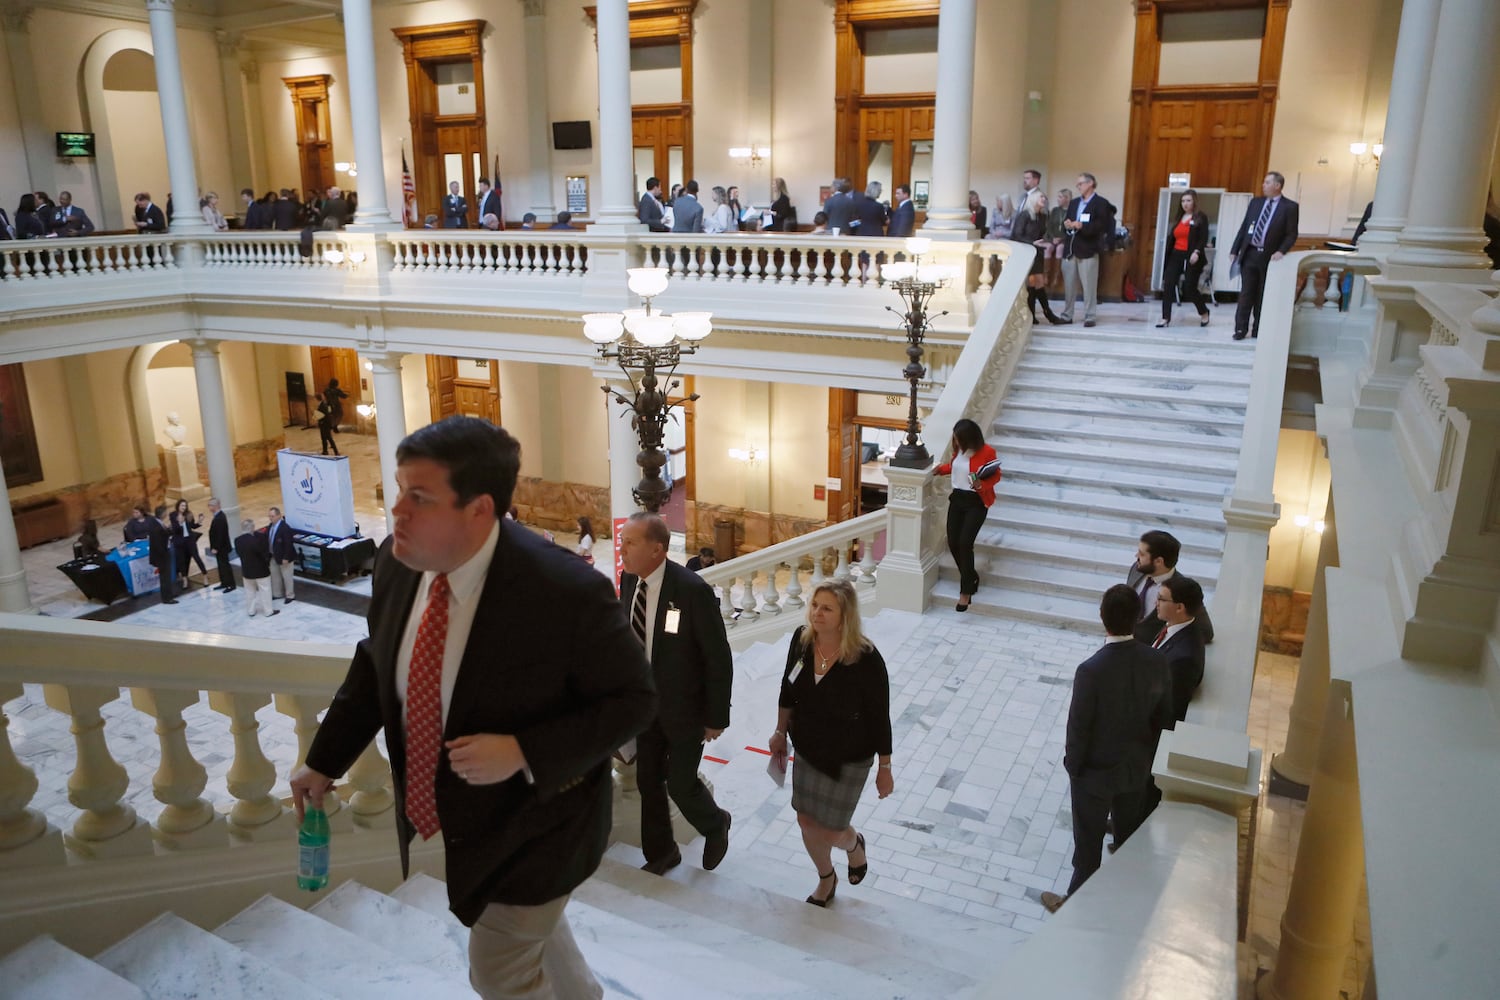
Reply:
x=726, y=603
x=26, y=840
x=372, y=802
x=747, y=600
x=1333, y=293
x=771, y=603
x=189, y=819
x=807, y=267
x=108, y=828
x=842, y=572
x=303, y=710
x=787, y=272
x=794, y=583
x=867, y=563
x=818, y=576
x=256, y=815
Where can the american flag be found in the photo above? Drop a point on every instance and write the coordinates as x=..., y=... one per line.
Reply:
x=408, y=195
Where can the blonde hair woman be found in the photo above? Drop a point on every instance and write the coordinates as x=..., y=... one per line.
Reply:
x=1030, y=226
x=1003, y=219
x=835, y=707
x=781, y=205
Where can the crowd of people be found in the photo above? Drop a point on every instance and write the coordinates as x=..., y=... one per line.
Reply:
x=286, y=211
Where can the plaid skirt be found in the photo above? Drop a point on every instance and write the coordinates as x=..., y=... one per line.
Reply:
x=829, y=802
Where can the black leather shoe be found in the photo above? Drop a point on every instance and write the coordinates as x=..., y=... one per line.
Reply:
x=169, y=602
x=717, y=844
x=663, y=865
x=1241, y=335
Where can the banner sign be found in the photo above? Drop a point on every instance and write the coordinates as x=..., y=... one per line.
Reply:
x=134, y=561
x=317, y=493
x=619, y=525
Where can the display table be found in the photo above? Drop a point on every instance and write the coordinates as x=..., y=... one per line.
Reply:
x=134, y=562
x=332, y=558
x=98, y=577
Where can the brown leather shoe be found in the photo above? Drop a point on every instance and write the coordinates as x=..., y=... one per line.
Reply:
x=1053, y=902
x=663, y=865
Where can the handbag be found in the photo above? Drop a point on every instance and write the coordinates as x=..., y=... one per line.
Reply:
x=323, y=407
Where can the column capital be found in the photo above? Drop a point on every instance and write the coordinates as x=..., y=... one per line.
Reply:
x=16, y=20
x=386, y=362
x=203, y=347
x=534, y=8
x=229, y=43
x=166, y=5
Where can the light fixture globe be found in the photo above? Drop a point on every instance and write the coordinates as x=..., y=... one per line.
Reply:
x=692, y=326
x=898, y=270
x=602, y=328
x=918, y=245
x=652, y=331
x=936, y=274
x=648, y=282
x=333, y=256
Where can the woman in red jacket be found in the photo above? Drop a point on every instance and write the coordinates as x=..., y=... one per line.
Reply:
x=975, y=471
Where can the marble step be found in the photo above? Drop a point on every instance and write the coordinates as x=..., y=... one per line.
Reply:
x=171, y=959
x=1037, y=422
x=1012, y=572
x=1138, y=433
x=44, y=968
x=1058, y=610
x=1217, y=339
x=401, y=929
x=1112, y=371
x=1125, y=482
x=909, y=967
x=1108, y=557
x=333, y=958
x=1166, y=466
x=1203, y=420
x=1161, y=513
x=1160, y=391
x=1125, y=354
x=1119, y=529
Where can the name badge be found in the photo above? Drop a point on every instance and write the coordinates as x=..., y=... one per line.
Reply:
x=1083, y=216
x=791, y=678
x=674, y=619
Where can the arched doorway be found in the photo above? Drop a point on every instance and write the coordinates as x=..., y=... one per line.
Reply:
x=130, y=96
x=114, y=213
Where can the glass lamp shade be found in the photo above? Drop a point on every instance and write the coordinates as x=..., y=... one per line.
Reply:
x=602, y=328
x=648, y=282
x=652, y=331
x=633, y=316
x=936, y=273
x=898, y=270
x=333, y=256
x=918, y=245
x=1358, y=148
x=692, y=326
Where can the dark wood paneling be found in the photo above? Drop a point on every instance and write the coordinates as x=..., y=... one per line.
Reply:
x=18, y=449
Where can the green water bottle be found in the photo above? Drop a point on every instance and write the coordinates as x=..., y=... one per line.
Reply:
x=312, y=850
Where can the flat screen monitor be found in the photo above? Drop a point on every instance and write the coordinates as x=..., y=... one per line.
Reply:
x=572, y=135
x=75, y=144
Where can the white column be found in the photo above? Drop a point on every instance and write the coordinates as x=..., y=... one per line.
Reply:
x=181, y=171
x=953, y=122
x=1403, y=123
x=218, y=444
x=34, y=137
x=616, y=187
x=15, y=596
x=390, y=423
x=624, y=446
x=1456, y=149
x=538, y=126
x=364, y=114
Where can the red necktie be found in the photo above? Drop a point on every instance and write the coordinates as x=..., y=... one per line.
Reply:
x=424, y=710
x=1160, y=636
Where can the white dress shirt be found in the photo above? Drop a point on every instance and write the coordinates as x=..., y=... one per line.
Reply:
x=1148, y=593
x=1171, y=631
x=961, y=472
x=653, y=581
x=465, y=584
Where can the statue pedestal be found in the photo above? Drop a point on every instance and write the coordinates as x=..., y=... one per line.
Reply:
x=182, y=475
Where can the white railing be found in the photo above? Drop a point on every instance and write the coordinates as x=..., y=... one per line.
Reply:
x=438, y=251
x=49, y=259
x=770, y=258
x=765, y=583
x=269, y=250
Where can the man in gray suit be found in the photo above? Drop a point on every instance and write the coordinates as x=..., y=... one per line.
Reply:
x=841, y=208
x=651, y=211
x=687, y=214
x=68, y=219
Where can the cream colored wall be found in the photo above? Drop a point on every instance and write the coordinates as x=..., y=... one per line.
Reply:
x=1090, y=106
x=1232, y=60
x=731, y=414
x=521, y=414
x=583, y=415
x=115, y=432
x=1301, y=487
x=51, y=416
x=241, y=392
x=12, y=150
x=418, y=406
x=802, y=102
x=140, y=162
x=722, y=115
x=718, y=426
x=572, y=95
x=798, y=449
x=280, y=121
x=996, y=159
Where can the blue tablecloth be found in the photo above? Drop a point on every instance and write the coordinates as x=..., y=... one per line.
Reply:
x=133, y=558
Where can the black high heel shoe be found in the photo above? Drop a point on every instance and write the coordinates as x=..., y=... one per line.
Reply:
x=814, y=900
x=857, y=873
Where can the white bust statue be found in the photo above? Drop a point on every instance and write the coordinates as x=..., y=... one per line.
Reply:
x=174, y=430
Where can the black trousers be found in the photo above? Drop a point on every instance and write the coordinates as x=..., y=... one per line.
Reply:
x=1172, y=274
x=1091, y=811
x=667, y=767
x=187, y=554
x=965, y=518
x=1253, y=264
x=325, y=432
x=226, y=569
x=168, y=575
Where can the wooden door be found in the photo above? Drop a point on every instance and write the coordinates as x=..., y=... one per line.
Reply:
x=901, y=122
x=662, y=128
x=843, y=454
x=436, y=135
x=442, y=393
x=341, y=363
x=478, y=395
x=314, y=130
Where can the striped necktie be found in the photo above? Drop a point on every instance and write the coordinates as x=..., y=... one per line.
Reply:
x=638, y=613
x=1258, y=238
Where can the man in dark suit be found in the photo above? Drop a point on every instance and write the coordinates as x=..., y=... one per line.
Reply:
x=220, y=545
x=1155, y=563
x=1085, y=228
x=283, y=555
x=675, y=616
x=1267, y=234
x=687, y=213
x=869, y=212
x=455, y=208
x=489, y=202
x=1178, y=602
x=564, y=221
x=504, y=673
x=1122, y=700
x=285, y=211
x=650, y=210
x=255, y=564
x=904, y=217
x=148, y=218
x=163, y=554
x=68, y=219
x=840, y=208
x=334, y=213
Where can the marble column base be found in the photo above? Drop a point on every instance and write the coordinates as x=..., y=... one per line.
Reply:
x=134, y=841
x=191, y=492
x=213, y=834
x=44, y=851
x=1288, y=788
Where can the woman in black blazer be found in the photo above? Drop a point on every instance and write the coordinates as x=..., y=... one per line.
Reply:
x=781, y=208
x=185, y=530
x=835, y=705
x=28, y=224
x=1186, y=246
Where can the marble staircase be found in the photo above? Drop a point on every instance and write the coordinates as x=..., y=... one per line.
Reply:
x=1104, y=434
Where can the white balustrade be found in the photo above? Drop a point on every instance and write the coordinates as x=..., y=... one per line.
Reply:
x=20, y=825
x=69, y=259
x=189, y=819
x=107, y=826
x=455, y=251
x=372, y=801
x=256, y=815
x=752, y=258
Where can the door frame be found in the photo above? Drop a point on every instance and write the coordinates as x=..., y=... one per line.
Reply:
x=424, y=47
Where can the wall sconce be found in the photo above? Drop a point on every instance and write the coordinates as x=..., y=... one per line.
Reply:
x=1303, y=521
x=347, y=167
x=750, y=456
x=753, y=153
x=337, y=258
x=366, y=410
x=1365, y=152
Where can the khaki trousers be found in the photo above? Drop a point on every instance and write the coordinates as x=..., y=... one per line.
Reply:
x=528, y=953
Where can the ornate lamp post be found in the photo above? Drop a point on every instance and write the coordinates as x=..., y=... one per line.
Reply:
x=645, y=342
x=916, y=283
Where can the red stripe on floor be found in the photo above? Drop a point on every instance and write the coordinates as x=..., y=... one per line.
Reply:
x=716, y=760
